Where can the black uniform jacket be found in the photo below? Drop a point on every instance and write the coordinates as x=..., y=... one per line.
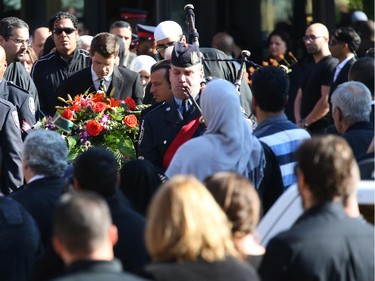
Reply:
x=159, y=128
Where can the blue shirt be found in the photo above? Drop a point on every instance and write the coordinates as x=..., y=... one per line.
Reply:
x=283, y=137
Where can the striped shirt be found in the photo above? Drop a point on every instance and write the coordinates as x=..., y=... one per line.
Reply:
x=283, y=137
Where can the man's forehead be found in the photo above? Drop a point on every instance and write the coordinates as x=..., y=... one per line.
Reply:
x=193, y=68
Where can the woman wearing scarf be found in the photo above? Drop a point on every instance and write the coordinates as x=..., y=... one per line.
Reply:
x=227, y=144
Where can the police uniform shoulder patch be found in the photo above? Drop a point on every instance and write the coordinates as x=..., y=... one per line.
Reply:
x=15, y=119
x=32, y=105
x=141, y=133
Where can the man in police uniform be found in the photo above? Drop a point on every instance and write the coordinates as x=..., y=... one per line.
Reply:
x=20, y=98
x=168, y=32
x=11, y=176
x=168, y=126
x=14, y=38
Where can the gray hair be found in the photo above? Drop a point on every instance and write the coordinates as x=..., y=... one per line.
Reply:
x=7, y=25
x=354, y=100
x=45, y=153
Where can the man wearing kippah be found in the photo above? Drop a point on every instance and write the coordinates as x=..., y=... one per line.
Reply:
x=167, y=127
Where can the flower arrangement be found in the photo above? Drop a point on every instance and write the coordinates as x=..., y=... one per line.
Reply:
x=93, y=119
x=282, y=61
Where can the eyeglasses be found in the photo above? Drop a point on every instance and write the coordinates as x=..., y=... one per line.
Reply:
x=311, y=37
x=333, y=42
x=20, y=41
x=161, y=48
x=67, y=30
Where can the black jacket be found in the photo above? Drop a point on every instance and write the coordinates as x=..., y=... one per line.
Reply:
x=125, y=83
x=48, y=73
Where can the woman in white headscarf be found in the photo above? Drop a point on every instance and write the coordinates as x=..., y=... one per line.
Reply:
x=142, y=64
x=228, y=143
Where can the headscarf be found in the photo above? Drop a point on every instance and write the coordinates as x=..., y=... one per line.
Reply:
x=228, y=143
x=142, y=62
x=139, y=181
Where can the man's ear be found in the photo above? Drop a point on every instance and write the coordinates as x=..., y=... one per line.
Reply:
x=76, y=184
x=339, y=114
x=2, y=39
x=57, y=245
x=113, y=234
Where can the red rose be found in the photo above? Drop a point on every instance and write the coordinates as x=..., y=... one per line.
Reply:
x=67, y=114
x=131, y=121
x=99, y=107
x=75, y=107
x=98, y=97
x=94, y=128
x=115, y=102
x=130, y=103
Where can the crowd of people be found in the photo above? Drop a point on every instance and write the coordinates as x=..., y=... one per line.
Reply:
x=215, y=150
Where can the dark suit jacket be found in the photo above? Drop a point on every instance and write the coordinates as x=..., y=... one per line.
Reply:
x=125, y=83
x=22, y=100
x=96, y=270
x=359, y=137
x=229, y=269
x=324, y=244
x=39, y=198
x=130, y=248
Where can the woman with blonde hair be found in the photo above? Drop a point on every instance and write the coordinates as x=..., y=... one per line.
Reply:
x=188, y=236
x=240, y=202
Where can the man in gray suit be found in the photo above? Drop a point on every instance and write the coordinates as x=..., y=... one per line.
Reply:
x=103, y=74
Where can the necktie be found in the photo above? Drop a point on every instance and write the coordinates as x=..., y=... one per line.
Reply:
x=101, y=85
x=185, y=107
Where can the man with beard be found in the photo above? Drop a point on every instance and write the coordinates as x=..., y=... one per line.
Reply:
x=14, y=38
x=311, y=105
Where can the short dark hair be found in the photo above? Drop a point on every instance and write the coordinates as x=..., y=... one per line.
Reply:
x=163, y=64
x=96, y=170
x=363, y=71
x=327, y=164
x=7, y=25
x=120, y=24
x=81, y=221
x=349, y=36
x=60, y=16
x=270, y=87
x=284, y=35
x=105, y=44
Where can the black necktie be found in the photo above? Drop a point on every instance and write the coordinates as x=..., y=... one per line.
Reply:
x=101, y=85
x=185, y=108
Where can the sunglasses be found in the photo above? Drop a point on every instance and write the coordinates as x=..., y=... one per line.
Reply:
x=67, y=30
x=161, y=48
x=311, y=37
x=333, y=42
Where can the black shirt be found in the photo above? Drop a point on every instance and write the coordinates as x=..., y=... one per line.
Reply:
x=49, y=71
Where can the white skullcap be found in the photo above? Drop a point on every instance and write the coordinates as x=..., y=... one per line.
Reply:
x=167, y=29
x=359, y=16
x=142, y=62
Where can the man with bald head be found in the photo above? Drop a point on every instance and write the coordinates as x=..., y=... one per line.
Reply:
x=39, y=38
x=311, y=106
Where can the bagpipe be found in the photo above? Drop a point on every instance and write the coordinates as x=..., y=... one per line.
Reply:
x=193, y=38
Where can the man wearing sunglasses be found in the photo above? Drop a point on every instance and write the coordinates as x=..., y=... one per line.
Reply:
x=311, y=105
x=51, y=70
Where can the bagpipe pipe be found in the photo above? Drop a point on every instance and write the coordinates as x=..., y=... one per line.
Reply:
x=193, y=38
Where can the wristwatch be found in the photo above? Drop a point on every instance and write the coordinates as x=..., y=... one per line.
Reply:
x=304, y=124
